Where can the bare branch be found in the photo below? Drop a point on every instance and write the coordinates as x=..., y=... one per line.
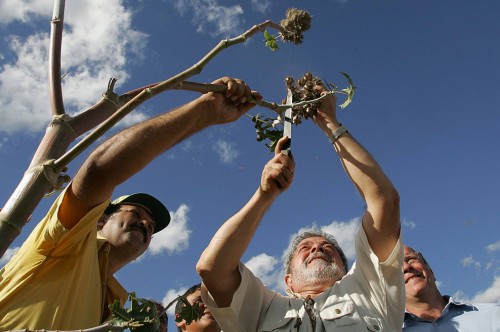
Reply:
x=56, y=99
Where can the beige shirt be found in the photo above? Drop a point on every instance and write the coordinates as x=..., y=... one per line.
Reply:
x=369, y=298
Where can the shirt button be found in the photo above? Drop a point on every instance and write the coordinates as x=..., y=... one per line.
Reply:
x=337, y=311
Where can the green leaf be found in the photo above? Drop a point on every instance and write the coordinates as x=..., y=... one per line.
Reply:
x=188, y=312
x=349, y=91
x=270, y=41
x=141, y=316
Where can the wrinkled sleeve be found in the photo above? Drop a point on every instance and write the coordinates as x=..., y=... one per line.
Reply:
x=383, y=281
x=250, y=300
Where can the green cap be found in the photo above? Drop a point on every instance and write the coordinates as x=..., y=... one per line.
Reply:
x=157, y=209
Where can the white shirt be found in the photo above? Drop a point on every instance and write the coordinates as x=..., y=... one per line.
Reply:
x=370, y=297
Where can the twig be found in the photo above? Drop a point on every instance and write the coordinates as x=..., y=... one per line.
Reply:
x=151, y=91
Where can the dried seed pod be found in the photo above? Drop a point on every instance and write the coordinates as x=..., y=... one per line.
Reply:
x=295, y=23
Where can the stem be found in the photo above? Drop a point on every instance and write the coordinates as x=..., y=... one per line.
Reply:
x=100, y=328
x=258, y=119
x=153, y=90
x=56, y=99
x=208, y=87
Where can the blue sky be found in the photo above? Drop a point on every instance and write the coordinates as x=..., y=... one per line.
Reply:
x=426, y=106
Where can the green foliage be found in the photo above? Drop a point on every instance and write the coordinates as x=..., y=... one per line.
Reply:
x=141, y=315
x=304, y=107
x=266, y=129
x=189, y=312
x=349, y=91
x=271, y=41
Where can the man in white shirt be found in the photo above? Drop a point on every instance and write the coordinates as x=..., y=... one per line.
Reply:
x=322, y=296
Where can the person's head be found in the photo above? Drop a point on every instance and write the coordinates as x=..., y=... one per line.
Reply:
x=314, y=259
x=418, y=275
x=129, y=222
x=162, y=316
x=205, y=323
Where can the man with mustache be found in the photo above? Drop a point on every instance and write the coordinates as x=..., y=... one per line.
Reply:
x=205, y=322
x=62, y=278
x=323, y=294
x=427, y=309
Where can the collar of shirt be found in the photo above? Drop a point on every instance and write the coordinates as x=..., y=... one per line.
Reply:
x=450, y=306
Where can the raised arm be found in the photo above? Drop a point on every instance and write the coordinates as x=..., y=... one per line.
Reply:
x=129, y=151
x=218, y=264
x=381, y=219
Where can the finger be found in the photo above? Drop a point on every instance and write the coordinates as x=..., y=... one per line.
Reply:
x=282, y=182
x=231, y=87
x=288, y=172
x=242, y=93
x=279, y=145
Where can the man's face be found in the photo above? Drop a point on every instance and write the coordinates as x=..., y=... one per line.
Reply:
x=206, y=323
x=418, y=275
x=130, y=229
x=315, y=262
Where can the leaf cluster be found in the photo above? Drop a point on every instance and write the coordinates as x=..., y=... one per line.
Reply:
x=141, y=315
x=293, y=26
x=306, y=98
x=188, y=312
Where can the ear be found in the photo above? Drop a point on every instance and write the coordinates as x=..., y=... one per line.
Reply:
x=288, y=281
x=102, y=221
x=181, y=325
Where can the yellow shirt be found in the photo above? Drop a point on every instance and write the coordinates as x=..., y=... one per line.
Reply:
x=56, y=280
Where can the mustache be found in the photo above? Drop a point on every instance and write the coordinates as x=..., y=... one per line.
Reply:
x=318, y=255
x=140, y=227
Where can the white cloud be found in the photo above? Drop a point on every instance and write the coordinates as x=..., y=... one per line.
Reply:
x=23, y=10
x=89, y=59
x=268, y=269
x=3, y=140
x=489, y=295
x=170, y=296
x=493, y=247
x=225, y=151
x=186, y=145
x=210, y=16
x=174, y=238
x=409, y=224
x=261, y=6
x=344, y=232
x=470, y=261
x=8, y=255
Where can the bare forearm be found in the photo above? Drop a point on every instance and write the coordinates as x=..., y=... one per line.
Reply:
x=131, y=150
x=381, y=220
x=218, y=264
x=364, y=171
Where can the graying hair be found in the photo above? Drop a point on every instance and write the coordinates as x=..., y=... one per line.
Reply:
x=313, y=232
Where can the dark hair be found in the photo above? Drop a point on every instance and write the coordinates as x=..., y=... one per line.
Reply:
x=180, y=304
x=159, y=308
x=111, y=209
x=191, y=290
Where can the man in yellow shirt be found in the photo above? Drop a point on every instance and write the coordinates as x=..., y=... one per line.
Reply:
x=62, y=277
